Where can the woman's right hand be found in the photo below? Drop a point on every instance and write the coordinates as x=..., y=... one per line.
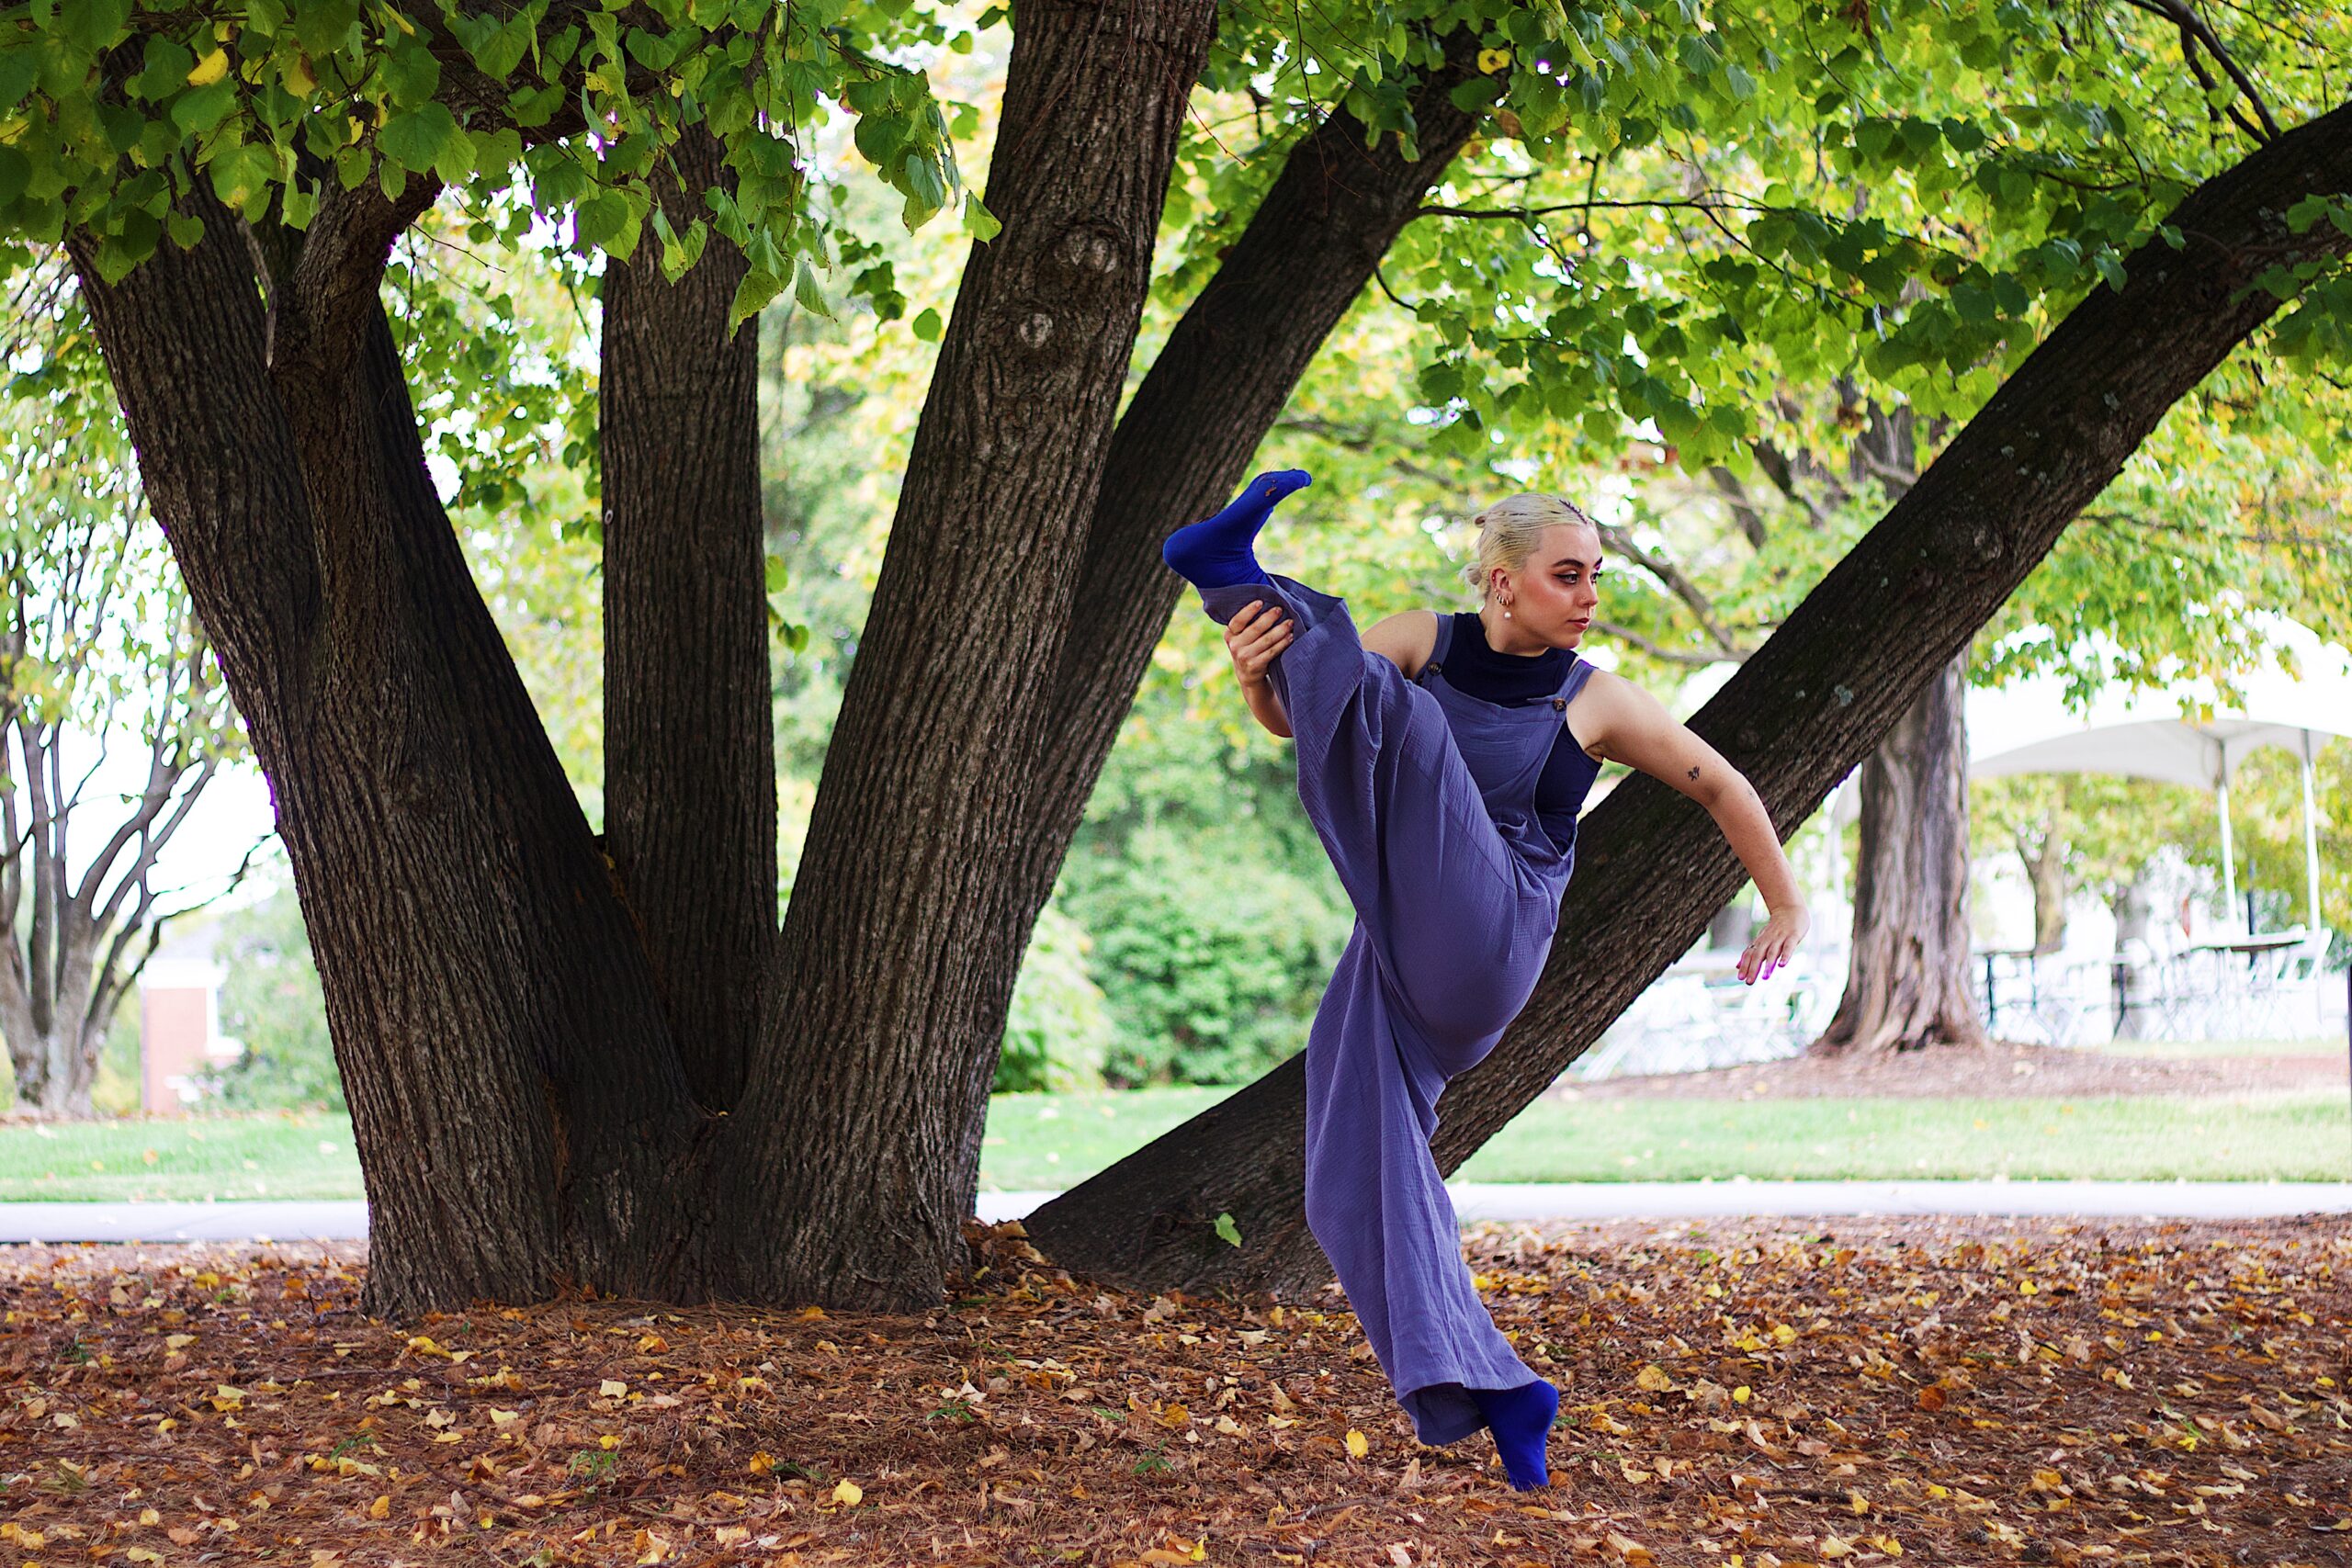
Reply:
x=1254, y=637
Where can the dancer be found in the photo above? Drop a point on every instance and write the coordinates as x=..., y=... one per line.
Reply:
x=1443, y=759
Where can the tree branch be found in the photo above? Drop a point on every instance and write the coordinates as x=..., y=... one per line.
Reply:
x=1671, y=575
x=1656, y=650
x=2193, y=31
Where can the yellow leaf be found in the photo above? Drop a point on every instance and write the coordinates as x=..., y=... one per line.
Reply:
x=812, y=1315
x=610, y=1440
x=1630, y=1550
x=382, y=1508
x=1653, y=1378
x=1783, y=1334
x=1493, y=59
x=849, y=1494
x=1740, y=1394
x=1358, y=1444
x=613, y=1388
x=210, y=69
x=1832, y=1547
x=762, y=1464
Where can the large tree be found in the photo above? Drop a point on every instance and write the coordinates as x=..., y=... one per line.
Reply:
x=543, y=1089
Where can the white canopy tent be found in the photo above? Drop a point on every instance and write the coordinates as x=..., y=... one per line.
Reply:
x=2137, y=738
x=2177, y=750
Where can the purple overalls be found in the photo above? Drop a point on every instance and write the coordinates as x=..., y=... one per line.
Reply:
x=1424, y=798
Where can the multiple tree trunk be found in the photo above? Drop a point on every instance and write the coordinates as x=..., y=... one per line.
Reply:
x=533, y=1064
x=1801, y=714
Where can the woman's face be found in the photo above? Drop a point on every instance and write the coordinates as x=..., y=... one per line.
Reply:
x=1553, y=595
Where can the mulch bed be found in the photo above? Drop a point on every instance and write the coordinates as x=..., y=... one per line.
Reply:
x=1998, y=1071
x=1759, y=1394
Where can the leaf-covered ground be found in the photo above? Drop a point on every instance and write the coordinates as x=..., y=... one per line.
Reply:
x=1744, y=1396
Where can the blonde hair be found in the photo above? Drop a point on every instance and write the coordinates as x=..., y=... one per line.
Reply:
x=1510, y=530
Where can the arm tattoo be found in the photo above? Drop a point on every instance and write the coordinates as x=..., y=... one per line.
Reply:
x=1694, y=773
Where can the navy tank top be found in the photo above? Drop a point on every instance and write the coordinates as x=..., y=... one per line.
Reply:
x=1514, y=679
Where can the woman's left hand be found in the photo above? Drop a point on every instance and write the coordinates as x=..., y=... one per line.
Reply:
x=1770, y=947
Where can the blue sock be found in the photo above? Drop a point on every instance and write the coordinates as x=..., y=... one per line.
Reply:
x=1214, y=552
x=1520, y=1419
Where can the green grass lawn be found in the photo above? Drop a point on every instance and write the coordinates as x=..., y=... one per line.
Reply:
x=282, y=1155
x=1037, y=1141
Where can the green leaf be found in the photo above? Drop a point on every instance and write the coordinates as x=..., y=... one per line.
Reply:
x=18, y=70
x=95, y=24
x=241, y=178
x=410, y=74
x=15, y=170
x=201, y=108
x=165, y=72
x=979, y=221
x=186, y=229
x=1227, y=1229
x=500, y=53
x=2110, y=269
x=415, y=138
x=806, y=293
x=927, y=325
x=751, y=296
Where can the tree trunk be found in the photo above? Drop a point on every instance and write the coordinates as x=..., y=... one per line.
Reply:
x=521, y=1119
x=1800, y=712
x=689, y=737
x=2133, y=911
x=1908, y=983
x=2045, y=870
x=856, y=1150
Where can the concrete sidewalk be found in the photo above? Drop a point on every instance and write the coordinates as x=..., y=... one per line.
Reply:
x=1737, y=1199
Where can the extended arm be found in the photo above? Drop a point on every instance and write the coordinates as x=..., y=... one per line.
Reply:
x=1615, y=720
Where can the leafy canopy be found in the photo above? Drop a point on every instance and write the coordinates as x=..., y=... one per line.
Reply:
x=107, y=117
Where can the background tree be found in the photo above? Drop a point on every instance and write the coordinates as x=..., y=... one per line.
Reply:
x=99, y=648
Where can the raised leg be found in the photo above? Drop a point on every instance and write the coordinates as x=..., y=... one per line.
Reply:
x=1460, y=927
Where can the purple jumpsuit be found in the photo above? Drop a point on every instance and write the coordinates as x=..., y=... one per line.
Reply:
x=1424, y=798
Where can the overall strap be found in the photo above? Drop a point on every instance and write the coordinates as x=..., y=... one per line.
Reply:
x=1435, y=664
x=1578, y=673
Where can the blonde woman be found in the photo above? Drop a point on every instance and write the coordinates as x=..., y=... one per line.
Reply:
x=1443, y=759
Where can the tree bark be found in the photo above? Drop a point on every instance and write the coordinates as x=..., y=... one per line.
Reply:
x=1907, y=985
x=1802, y=712
x=856, y=1148
x=689, y=737
x=521, y=1118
